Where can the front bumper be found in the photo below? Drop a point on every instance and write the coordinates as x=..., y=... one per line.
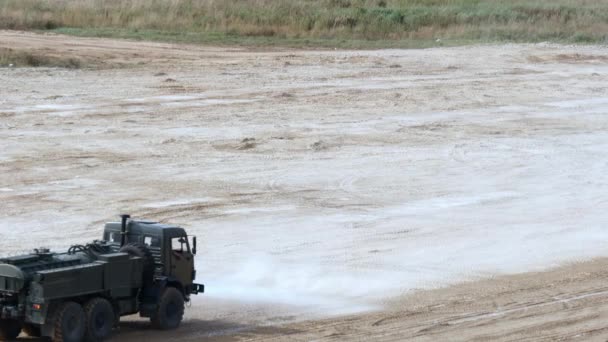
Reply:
x=197, y=288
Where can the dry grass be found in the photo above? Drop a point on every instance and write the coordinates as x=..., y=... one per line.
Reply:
x=10, y=57
x=518, y=20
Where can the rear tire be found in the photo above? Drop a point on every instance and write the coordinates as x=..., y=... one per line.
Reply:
x=143, y=252
x=100, y=319
x=70, y=323
x=9, y=329
x=32, y=330
x=170, y=310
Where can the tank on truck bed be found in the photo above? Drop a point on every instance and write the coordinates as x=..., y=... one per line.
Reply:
x=138, y=267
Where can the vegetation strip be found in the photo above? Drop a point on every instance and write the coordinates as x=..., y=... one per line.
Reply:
x=335, y=23
x=21, y=58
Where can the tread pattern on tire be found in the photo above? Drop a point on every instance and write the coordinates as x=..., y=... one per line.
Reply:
x=58, y=331
x=88, y=308
x=158, y=319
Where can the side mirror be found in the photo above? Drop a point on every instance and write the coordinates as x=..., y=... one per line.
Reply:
x=194, y=245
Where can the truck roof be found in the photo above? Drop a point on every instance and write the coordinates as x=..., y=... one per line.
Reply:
x=143, y=226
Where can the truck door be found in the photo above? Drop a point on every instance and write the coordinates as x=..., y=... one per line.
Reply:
x=182, y=260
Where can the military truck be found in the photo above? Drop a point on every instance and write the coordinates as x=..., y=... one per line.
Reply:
x=137, y=267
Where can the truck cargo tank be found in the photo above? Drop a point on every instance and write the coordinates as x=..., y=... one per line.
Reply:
x=17, y=271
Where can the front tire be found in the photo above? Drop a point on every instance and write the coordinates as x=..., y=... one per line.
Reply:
x=9, y=329
x=170, y=310
x=70, y=323
x=100, y=319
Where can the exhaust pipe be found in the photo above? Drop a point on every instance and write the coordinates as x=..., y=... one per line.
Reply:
x=123, y=229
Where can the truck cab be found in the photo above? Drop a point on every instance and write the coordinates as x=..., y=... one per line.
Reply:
x=170, y=247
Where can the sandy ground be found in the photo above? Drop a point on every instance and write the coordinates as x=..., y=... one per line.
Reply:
x=337, y=194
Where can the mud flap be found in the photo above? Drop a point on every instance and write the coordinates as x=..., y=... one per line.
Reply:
x=147, y=309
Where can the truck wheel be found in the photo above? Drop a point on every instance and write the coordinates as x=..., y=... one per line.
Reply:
x=100, y=319
x=70, y=323
x=32, y=330
x=9, y=329
x=170, y=310
x=141, y=251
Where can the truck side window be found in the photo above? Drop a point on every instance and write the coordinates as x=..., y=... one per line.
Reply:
x=179, y=244
x=115, y=237
x=151, y=241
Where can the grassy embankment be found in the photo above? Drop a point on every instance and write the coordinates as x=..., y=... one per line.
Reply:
x=10, y=57
x=321, y=23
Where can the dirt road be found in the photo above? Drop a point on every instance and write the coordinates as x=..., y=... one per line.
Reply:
x=339, y=194
x=565, y=304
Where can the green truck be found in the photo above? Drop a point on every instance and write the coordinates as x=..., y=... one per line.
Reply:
x=79, y=295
